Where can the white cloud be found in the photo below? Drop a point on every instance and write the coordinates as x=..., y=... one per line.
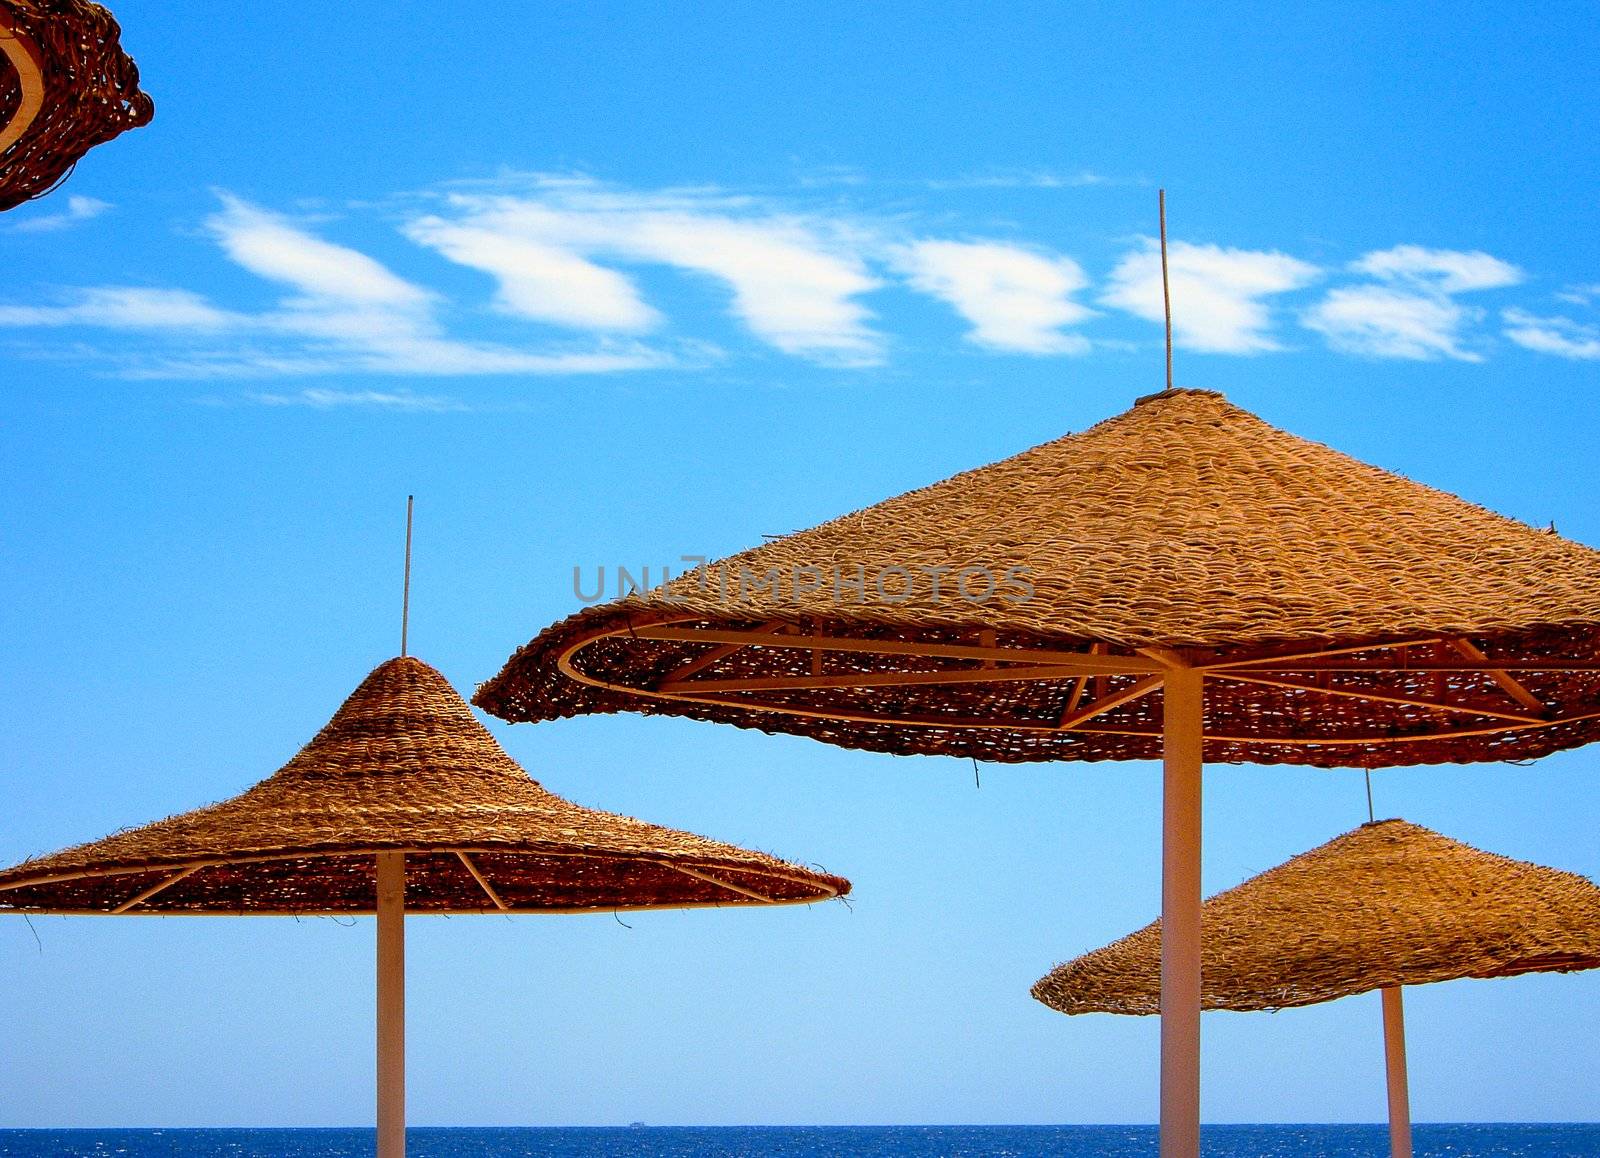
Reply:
x=539, y=281
x=269, y=246
x=1383, y=322
x=1409, y=311
x=1218, y=294
x=1447, y=271
x=357, y=346
x=127, y=308
x=324, y=399
x=787, y=287
x=1578, y=295
x=79, y=209
x=1560, y=336
x=345, y=312
x=1035, y=179
x=1016, y=300
x=570, y=252
x=793, y=286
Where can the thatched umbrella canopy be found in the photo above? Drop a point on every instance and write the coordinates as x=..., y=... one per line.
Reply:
x=65, y=87
x=1387, y=905
x=1390, y=903
x=1028, y=609
x=403, y=766
x=1182, y=580
x=403, y=801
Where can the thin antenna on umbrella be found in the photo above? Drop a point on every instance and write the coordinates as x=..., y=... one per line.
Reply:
x=405, y=598
x=1166, y=291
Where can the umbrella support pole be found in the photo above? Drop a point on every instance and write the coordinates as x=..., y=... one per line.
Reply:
x=391, y=1005
x=1394, y=1058
x=1182, y=730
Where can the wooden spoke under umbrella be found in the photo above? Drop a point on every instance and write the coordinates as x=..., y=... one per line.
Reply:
x=65, y=87
x=1387, y=905
x=1182, y=580
x=404, y=801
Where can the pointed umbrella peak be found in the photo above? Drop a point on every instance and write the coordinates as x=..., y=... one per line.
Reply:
x=403, y=766
x=1389, y=903
x=403, y=719
x=1175, y=392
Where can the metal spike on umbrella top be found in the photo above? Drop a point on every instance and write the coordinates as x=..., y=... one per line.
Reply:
x=403, y=802
x=1180, y=581
x=1386, y=905
x=66, y=86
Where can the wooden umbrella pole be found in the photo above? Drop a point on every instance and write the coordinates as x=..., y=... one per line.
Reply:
x=391, y=1005
x=1183, y=729
x=1394, y=1058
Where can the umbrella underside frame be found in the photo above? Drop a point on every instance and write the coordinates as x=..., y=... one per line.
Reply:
x=1004, y=696
x=66, y=86
x=482, y=880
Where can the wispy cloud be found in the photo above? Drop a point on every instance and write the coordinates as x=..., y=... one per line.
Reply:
x=539, y=274
x=1578, y=295
x=791, y=284
x=540, y=281
x=325, y=274
x=1028, y=179
x=1560, y=336
x=324, y=399
x=1383, y=322
x=1017, y=300
x=1219, y=295
x=78, y=210
x=1445, y=271
x=1409, y=311
x=127, y=308
x=344, y=311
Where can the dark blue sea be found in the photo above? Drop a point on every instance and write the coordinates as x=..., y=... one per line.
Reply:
x=1431, y=1141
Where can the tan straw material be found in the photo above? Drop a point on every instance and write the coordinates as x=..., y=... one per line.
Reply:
x=1343, y=615
x=1388, y=904
x=402, y=766
x=65, y=87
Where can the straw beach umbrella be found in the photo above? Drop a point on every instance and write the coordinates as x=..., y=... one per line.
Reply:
x=403, y=802
x=65, y=87
x=1180, y=581
x=1387, y=905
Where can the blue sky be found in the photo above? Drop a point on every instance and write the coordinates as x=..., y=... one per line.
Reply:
x=606, y=285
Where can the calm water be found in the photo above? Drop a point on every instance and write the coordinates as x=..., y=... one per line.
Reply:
x=1477, y=1141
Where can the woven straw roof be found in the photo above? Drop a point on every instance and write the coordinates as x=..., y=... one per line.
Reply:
x=1390, y=903
x=403, y=765
x=65, y=87
x=1185, y=525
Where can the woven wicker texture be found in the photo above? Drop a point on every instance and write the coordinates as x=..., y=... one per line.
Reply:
x=403, y=765
x=1390, y=903
x=80, y=91
x=1184, y=523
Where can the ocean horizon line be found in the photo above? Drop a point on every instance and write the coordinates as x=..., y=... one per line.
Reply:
x=641, y=1125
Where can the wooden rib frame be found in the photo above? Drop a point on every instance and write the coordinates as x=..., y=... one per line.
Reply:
x=24, y=58
x=1085, y=671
